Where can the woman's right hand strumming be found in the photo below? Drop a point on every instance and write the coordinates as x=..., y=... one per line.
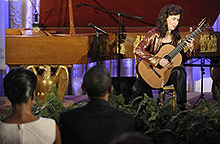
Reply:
x=164, y=63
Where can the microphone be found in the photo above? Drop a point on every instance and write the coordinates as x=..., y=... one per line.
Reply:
x=79, y=5
x=97, y=28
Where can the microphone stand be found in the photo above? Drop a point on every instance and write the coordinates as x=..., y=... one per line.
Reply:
x=118, y=89
x=97, y=44
x=97, y=39
x=119, y=14
x=35, y=24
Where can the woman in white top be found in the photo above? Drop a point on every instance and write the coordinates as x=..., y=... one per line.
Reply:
x=21, y=126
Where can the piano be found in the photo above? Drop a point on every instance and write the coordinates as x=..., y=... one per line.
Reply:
x=35, y=48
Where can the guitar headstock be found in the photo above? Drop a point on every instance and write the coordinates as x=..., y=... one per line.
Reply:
x=203, y=23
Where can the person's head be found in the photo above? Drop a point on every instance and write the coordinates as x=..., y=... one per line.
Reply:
x=97, y=82
x=19, y=85
x=169, y=20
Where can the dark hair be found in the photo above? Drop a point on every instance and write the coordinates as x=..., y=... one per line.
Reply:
x=165, y=12
x=19, y=85
x=97, y=81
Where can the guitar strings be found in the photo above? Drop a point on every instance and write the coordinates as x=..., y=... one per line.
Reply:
x=174, y=52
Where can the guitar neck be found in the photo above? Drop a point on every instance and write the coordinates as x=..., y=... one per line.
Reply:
x=177, y=50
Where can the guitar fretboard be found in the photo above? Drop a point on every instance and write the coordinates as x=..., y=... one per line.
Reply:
x=177, y=50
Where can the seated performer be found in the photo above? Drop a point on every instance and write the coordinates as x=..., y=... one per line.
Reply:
x=166, y=32
x=97, y=122
x=21, y=126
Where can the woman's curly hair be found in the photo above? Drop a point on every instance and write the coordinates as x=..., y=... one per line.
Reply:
x=165, y=12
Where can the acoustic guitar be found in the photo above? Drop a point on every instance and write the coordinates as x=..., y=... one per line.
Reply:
x=158, y=77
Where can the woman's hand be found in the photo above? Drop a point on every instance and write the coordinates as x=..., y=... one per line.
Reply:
x=190, y=44
x=164, y=63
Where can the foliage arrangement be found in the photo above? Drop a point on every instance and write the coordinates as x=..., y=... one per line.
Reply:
x=53, y=106
x=165, y=125
x=162, y=123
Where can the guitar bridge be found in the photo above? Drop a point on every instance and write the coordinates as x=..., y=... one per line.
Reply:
x=155, y=71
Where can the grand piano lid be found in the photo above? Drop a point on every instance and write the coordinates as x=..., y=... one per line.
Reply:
x=54, y=13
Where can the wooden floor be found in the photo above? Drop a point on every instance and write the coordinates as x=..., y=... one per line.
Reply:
x=192, y=97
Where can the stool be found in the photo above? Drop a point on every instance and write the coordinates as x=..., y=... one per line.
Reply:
x=166, y=90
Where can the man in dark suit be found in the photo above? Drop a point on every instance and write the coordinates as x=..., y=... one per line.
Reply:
x=97, y=122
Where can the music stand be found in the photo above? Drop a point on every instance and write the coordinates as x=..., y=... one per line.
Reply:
x=202, y=73
x=202, y=65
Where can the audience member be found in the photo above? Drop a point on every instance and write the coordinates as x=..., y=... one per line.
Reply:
x=21, y=126
x=97, y=122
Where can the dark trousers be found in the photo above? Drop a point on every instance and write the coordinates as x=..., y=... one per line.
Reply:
x=177, y=78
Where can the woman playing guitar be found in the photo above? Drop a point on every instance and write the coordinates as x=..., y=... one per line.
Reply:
x=166, y=32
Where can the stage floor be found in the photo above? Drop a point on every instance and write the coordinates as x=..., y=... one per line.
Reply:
x=192, y=97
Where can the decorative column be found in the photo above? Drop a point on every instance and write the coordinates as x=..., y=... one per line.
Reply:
x=3, y=26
